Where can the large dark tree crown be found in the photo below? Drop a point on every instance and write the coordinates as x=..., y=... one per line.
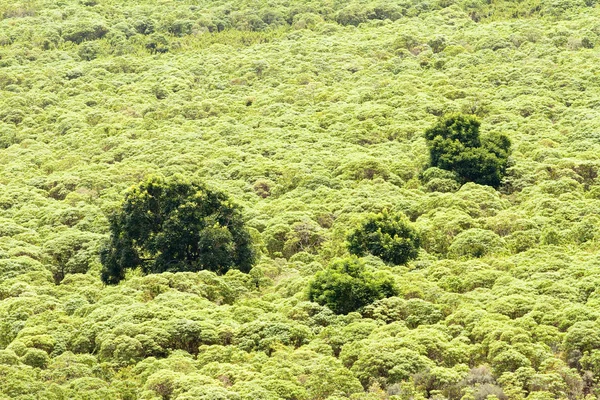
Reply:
x=455, y=145
x=175, y=225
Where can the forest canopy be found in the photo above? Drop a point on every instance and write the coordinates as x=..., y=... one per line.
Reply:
x=302, y=120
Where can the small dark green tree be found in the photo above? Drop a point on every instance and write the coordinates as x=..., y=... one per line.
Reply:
x=175, y=226
x=347, y=286
x=388, y=236
x=455, y=145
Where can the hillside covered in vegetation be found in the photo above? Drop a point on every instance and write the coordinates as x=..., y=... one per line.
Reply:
x=311, y=117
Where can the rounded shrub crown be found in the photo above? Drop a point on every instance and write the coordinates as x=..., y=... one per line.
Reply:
x=346, y=286
x=175, y=226
x=389, y=236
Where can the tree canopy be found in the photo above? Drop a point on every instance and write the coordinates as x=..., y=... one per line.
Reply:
x=347, y=285
x=310, y=115
x=389, y=236
x=455, y=145
x=174, y=225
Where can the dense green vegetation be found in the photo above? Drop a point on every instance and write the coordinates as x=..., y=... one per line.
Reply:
x=347, y=286
x=311, y=116
x=387, y=236
x=455, y=145
x=177, y=226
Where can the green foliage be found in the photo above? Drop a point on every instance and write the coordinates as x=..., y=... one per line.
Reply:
x=265, y=336
x=455, y=145
x=388, y=362
x=476, y=242
x=36, y=358
x=440, y=180
x=308, y=114
x=84, y=30
x=346, y=286
x=582, y=336
x=72, y=252
x=388, y=236
x=413, y=312
x=175, y=226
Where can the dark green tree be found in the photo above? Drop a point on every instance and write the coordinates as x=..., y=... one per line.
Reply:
x=175, y=226
x=388, y=236
x=456, y=145
x=346, y=286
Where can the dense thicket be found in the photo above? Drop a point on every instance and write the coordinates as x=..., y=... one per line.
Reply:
x=178, y=226
x=310, y=114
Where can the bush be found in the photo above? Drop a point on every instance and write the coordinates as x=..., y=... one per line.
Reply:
x=477, y=243
x=440, y=180
x=175, y=226
x=144, y=26
x=88, y=51
x=267, y=335
x=71, y=252
x=387, y=236
x=181, y=27
x=36, y=358
x=157, y=43
x=82, y=31
x=455, y=145
x=583, y=336
x=413, y=312
x=347, y=286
